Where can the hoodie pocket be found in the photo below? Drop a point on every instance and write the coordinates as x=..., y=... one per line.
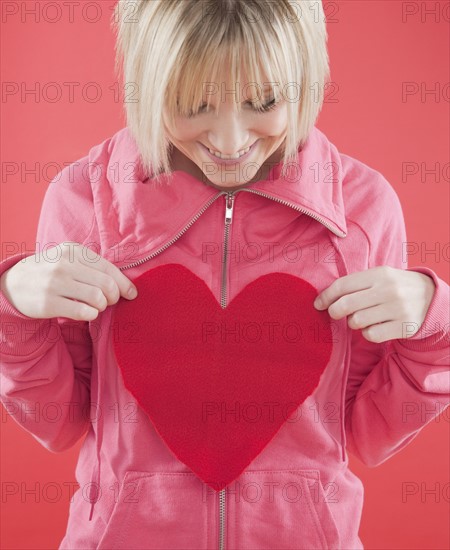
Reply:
x=159, y=510
x=281, y=509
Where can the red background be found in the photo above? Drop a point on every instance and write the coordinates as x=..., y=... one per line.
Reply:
x=373, y=50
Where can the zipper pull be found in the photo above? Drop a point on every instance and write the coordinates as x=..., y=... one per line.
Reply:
x=229, y=201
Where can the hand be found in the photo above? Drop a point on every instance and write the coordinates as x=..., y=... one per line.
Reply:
x=75, y=283
x=379, y=301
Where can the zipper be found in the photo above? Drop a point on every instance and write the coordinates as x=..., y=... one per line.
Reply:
x=222, y=494
x=334, y=230
x=177, y=236
x=229, y=203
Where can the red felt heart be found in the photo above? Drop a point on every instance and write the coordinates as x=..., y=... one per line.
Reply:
x=218, y=383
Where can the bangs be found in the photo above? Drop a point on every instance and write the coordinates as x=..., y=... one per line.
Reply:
x=195, y=81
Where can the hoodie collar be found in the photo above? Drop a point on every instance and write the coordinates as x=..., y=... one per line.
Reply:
x=132, y=210
x=313, y=184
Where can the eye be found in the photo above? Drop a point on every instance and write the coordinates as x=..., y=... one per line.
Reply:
x=267, y=106
x=272, y=104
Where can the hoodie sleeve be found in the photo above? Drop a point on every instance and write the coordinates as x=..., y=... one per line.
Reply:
x=46, y=363
x=396, y=387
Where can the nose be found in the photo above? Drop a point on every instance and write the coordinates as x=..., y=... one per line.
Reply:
x=229, y=133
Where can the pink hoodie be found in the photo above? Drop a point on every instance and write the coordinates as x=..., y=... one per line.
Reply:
x=151, y=473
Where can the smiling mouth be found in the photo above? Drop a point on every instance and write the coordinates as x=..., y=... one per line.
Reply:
x=230, y=157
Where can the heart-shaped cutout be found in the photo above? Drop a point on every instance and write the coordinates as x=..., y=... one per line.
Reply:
x=218, y=383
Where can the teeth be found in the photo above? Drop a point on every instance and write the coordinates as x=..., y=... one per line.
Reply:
x=229, y=157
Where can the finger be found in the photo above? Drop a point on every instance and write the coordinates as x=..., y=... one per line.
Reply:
x=345, y=285
x=383, y=332
x=103, y=281
x=79, y=311
x=101, y=264
x=87, y=293
x=351, y=303
x=371, y=316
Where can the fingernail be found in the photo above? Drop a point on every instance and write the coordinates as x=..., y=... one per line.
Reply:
x=132, y=293
x=318, y=303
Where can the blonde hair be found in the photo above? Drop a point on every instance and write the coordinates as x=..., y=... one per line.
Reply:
x=167, y=46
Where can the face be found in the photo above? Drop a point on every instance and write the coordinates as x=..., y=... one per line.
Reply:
x=230, y=133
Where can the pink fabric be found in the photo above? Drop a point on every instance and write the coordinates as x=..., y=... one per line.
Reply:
x=298, y=492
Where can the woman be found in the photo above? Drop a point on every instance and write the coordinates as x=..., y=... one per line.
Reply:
x=225, y=397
